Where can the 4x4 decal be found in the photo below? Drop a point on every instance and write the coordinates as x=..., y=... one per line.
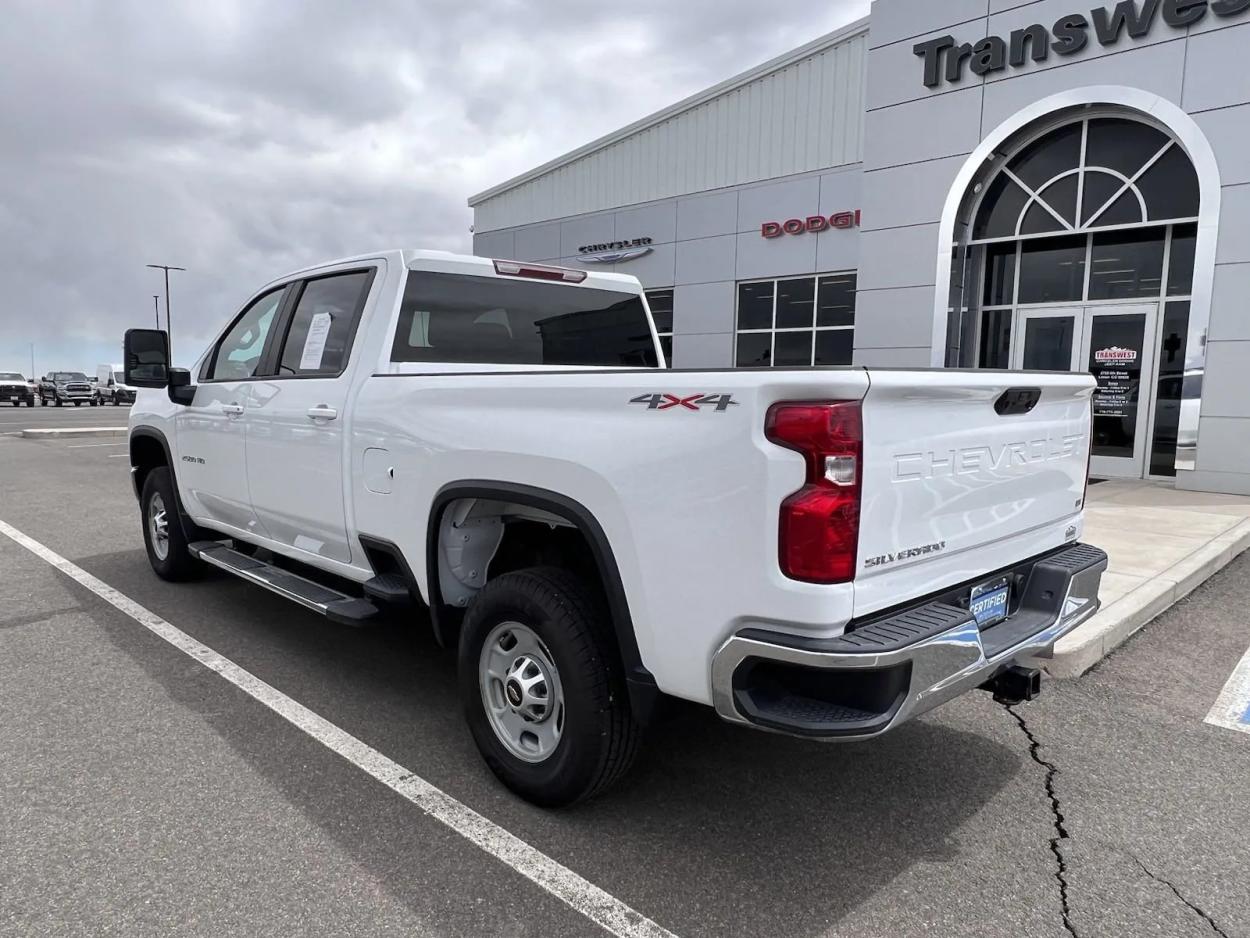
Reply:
x=722, y=402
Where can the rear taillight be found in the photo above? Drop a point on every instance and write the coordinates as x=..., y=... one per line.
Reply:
x=539, y=271
x=819, y=534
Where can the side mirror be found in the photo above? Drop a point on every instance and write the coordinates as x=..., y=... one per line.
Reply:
x=146, y=356
x=181, y=390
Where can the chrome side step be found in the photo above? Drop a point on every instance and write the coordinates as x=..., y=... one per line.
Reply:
x=335, y=606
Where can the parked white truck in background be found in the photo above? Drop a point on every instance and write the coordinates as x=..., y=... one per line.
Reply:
x=826, y=553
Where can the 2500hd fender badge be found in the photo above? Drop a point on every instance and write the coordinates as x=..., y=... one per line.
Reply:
x=721, y=402
x=885, y=559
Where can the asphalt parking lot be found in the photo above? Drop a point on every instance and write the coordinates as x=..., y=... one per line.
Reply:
x=144, y=794
x=15, y=419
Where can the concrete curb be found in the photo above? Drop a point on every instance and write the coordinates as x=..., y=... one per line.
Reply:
x=70, y=433
x=1120, y=620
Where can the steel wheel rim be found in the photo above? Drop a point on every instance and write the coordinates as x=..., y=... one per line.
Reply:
x=158, y=526
x=521, y=692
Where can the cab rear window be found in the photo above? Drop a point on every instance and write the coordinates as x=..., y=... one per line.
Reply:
x=486, y=320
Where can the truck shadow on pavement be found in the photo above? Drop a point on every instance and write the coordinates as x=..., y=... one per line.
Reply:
x=718, y=829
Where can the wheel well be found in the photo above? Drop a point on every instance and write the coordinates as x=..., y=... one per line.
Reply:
x=480, y=539
x=146, y=454
x=486, y=528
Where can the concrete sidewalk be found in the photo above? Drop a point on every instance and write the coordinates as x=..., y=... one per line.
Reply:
x=1163, y=543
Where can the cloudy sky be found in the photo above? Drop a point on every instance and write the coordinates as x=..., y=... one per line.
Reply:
x=242, y=140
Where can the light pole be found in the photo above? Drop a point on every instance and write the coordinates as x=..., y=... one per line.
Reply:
x=156, y=307
x=169, y=320
x=32, y=361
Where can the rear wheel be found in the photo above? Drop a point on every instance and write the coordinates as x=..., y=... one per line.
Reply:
x=163, y=536
x=543, y=689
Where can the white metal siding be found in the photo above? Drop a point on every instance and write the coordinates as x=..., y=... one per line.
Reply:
x=808, y=115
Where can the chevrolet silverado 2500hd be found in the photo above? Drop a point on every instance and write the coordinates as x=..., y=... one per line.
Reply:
x=823, y=552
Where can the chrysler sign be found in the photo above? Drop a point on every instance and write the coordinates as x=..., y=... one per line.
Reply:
x=946, y=59
x=614, y=252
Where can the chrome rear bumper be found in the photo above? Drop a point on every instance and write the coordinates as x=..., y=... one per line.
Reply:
x=891, y=669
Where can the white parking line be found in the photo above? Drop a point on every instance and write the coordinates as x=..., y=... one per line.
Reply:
x=89, y=445
x=579, y=894
x=1232, y=707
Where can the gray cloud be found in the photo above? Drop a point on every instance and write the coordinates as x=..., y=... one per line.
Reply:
x=242, y=140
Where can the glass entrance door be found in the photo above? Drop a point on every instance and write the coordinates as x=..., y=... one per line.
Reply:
x=1117, y=348
x=1116, y=345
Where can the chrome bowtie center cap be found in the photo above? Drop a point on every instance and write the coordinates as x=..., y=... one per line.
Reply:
x=527, y=688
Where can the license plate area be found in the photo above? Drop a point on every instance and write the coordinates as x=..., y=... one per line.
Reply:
x=989, y=602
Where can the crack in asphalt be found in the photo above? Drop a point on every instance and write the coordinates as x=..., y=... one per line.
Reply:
x=1159, y=879
x=1061, y=831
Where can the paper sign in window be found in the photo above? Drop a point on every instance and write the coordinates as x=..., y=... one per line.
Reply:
x=315, y=343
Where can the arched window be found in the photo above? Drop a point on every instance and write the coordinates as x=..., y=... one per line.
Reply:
x=1073, y=223
x=1095, y=173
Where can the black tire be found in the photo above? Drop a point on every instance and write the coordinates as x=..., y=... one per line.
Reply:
x=177, y=564
x=58, y=402
x=30, y=402
x=600, y=737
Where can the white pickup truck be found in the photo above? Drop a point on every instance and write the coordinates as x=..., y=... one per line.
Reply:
x=825, y=553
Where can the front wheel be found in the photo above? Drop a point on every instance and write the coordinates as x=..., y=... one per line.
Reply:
x=163, y=536
x=543, y=688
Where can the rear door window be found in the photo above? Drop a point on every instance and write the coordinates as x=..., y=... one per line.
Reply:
x=487, y=320
x=319, y=338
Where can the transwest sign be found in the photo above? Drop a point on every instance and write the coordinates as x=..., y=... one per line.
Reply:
x=945, y=58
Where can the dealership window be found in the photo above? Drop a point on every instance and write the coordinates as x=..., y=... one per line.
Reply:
x=796, y=322
x=1100, y=211
x=661, y=303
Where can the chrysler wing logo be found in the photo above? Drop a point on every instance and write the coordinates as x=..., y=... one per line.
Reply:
x=614, y=252
x=614, y=257
x=1115, y=354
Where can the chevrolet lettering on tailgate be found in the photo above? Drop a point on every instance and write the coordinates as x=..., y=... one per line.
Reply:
x=935, y=464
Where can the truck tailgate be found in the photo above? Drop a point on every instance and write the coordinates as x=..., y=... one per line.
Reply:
x=952, y=489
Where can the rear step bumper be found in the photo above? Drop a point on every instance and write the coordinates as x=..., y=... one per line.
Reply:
x=891, y=669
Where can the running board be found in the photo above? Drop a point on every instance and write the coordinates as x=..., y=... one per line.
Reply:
x=335, y=606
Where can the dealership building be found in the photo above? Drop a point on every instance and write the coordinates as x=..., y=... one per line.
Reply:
x=966, y=183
